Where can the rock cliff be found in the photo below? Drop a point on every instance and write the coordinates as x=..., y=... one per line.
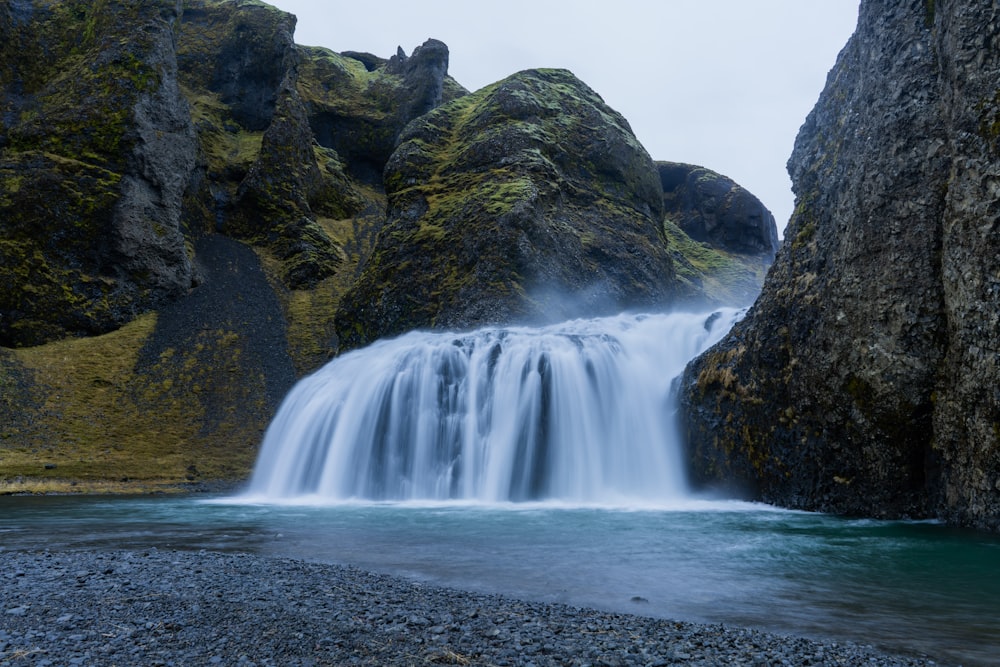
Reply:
x=97, y=147
x=193, y=207
x=865, y=378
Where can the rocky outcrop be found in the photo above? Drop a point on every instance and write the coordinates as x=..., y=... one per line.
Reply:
x=241, y=51
x=864, y=379
x=722, y=238
x=714, y=209
x=358, y=105
x=529, y=199
x=161, y=185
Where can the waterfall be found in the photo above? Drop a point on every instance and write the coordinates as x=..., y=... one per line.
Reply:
x=580, y=412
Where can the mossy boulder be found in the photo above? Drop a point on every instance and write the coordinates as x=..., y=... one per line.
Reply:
x=530, y=199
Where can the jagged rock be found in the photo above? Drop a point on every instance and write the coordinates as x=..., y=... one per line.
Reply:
x=357, y=105
x=274, y=197
x=423, y=76
x=864, y=379
x=712, y=208
x=529, y=199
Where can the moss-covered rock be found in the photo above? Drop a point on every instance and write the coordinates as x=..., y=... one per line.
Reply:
x=722, y=238
x=97, y=146
x=135, y=133
x=273, y=199
x=241, y=51
x=359, y=104
x=529, y=199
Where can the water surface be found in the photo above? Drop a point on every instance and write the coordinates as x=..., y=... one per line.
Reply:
x=903, y=586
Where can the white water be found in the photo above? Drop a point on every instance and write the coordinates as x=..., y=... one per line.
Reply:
x=580, y=412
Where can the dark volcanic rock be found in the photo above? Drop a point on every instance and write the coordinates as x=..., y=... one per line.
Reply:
x=529, y=199
x=241, y=51
x=712, y=208
x=865, y=378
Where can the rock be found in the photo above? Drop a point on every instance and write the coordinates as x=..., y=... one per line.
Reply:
x=529, y=199
x=722, y=238
x=187, y=196
x=359, y=104
x=423, y=76
x=97, y=149
x=863, y=380
x=274, y=197
x=712, y=208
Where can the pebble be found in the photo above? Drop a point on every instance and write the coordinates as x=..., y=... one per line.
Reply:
x=186, y=608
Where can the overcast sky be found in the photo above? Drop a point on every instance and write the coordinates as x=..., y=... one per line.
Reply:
x=725, y=84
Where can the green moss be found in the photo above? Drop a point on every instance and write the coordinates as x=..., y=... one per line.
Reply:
x=230, y=149
x=104, y=418
x=720, y=276
x=860, y=391
x=81, y=93
x=804, y=235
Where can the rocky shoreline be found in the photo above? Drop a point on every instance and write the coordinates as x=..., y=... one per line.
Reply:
x=164, y=607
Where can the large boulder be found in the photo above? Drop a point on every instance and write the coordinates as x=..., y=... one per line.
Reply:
x=865, y=379
x=530, y=199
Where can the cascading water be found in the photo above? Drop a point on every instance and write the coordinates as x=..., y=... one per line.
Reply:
x=580, y=412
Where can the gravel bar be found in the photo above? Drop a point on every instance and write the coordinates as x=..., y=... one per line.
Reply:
x=162, y=607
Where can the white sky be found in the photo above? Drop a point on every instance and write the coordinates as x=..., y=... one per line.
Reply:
x=724, y=84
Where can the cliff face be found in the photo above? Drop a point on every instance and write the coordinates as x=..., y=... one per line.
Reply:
x=186, y=197
x=864, y=380
x=97, y=147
